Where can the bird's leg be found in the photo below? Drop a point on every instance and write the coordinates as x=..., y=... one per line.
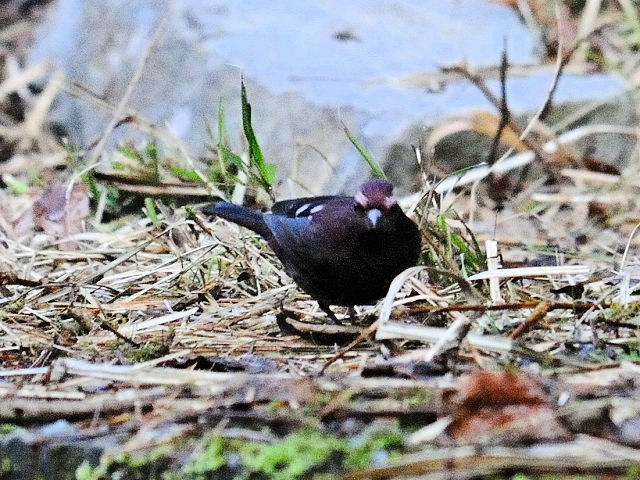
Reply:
x=325, y=308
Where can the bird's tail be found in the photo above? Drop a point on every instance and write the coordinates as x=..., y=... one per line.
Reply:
x=243, y=216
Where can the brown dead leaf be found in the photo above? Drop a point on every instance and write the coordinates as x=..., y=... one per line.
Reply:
x=598, y=211
x=487, y=123
x=594, y=164
x=499, y=388
x=52, y=215
x=10, y=278
x=502, y=408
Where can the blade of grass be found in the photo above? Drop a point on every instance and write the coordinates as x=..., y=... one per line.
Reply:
x=226, y=157
x=152, y=213
x=185, y=174
x=373, y=164
x=18, y=187
x=230, y=157
x=266, y=172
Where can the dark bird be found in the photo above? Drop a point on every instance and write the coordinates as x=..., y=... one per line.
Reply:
x=340, y=250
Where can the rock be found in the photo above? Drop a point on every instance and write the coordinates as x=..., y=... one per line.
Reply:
x=53, y=450
x=308, y=67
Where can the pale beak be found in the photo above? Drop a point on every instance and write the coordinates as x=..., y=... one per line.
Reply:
x=374, y=215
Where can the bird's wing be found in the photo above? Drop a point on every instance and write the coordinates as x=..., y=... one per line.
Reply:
x=293, y=234
x=302, y=207
x=323, y=228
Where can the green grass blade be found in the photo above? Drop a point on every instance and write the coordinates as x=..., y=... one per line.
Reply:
x=17, y=186
x=373, y=164
x=152, y=213
x=231, y=158
x=266, y=172
x=185, y=174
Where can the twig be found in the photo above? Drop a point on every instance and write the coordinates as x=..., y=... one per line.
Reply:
x=474, y=176
x=455, y=333
x=504, y=109
x=30, y=410
x=7, y=278
x=123, y=258
x=122, y=104
x=578, y=307
x=148, y=187
x=480, y=84
x=531, y=272
x=627, y=246
x=105, y=325
x=561, y=62
x=493, y=264
x=536, y=316
x=366, y=335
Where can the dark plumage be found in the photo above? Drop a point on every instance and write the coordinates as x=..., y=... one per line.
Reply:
x=341, y=250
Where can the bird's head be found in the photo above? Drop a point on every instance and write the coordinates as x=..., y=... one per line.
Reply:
x=375, y=198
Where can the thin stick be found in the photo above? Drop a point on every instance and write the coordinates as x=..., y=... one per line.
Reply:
x=626, y=248
x=504, y=109
x=536, y=316
x=455, y=333
x=578, y=306
x=531, y=272
x=122, y=104
x=366, y=335
x=493, y=264
x=480, y=84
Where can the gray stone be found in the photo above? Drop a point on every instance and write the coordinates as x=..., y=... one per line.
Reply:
x=53, y=450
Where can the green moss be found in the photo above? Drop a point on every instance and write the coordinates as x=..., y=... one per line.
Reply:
x=210, y=460
x=420, y=397
x=297, y=456
x=311, y=454
x=621, y=312
x=141, y=466
x=7, y=466
x=633, y=473
x=522, y=476
x=319, y=402
x=85, y=472
x=143, y=460
x=63, y=461
x=6, y=428
x=632, y=356
x=12, y=307
x=146, y=352
x=305, y=454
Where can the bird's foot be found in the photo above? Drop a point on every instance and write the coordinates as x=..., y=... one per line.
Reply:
x=325, y=308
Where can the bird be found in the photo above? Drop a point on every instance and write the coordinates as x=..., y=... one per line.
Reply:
x=341, y=250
